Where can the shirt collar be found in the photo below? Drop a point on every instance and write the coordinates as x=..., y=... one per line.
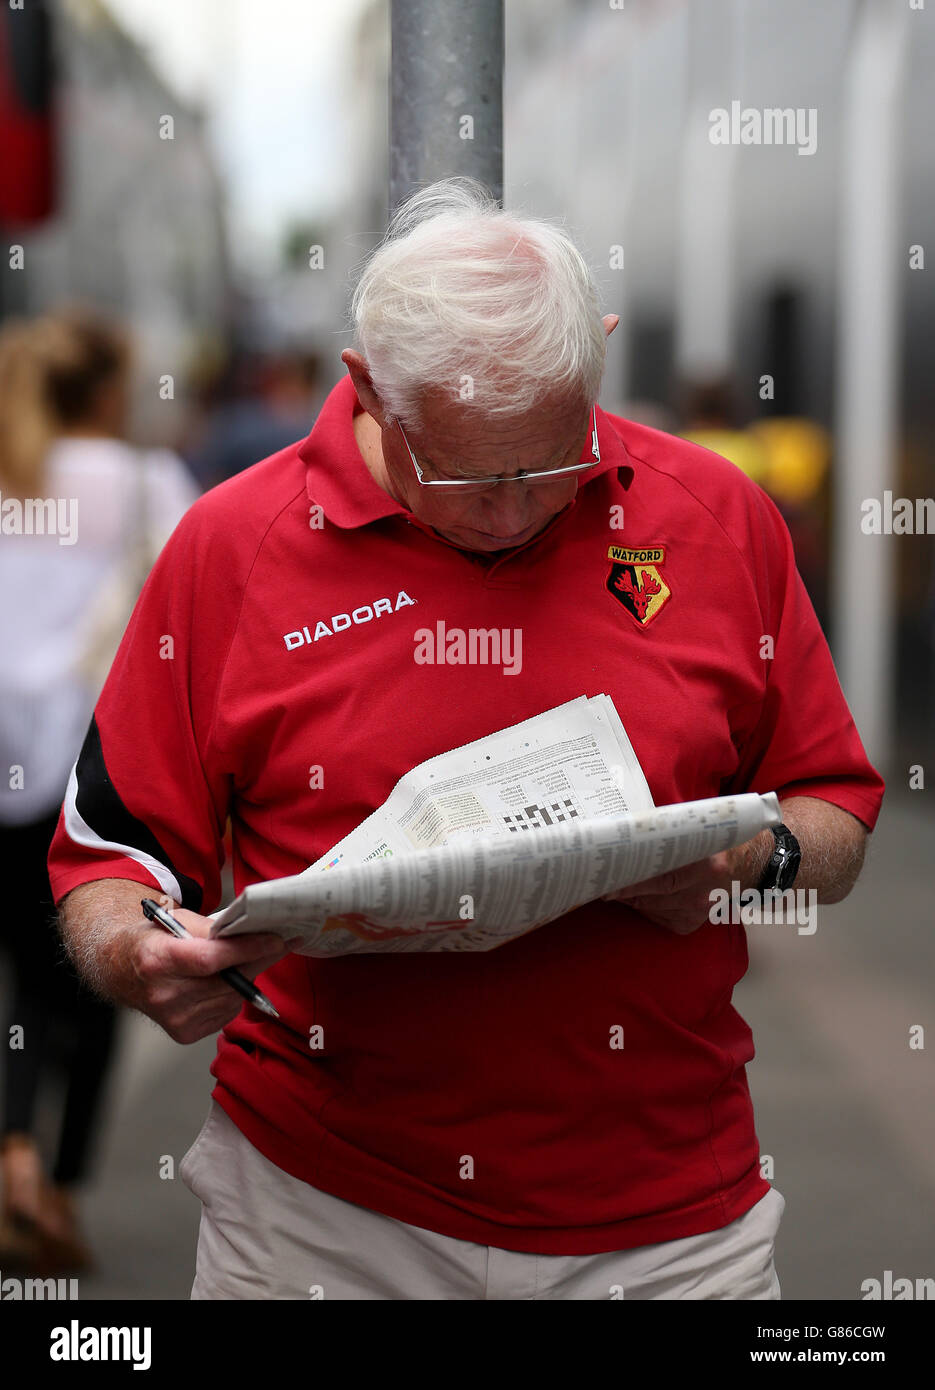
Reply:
x=338, y=480
x=336, y=476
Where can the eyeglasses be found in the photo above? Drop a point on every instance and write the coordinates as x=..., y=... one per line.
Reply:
x=545, y=475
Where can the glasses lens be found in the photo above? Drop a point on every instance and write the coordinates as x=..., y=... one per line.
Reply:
x=541, y=477
x=461, y=488
x=535, y=479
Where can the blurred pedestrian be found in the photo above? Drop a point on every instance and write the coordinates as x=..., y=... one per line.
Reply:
x=83, y=515
x=270, y=402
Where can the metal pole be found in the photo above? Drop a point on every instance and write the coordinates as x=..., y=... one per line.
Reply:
x=706, y=269
x=864, y=609
x=446, y=93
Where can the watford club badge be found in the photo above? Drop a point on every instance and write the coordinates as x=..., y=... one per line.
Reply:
x=635, y=580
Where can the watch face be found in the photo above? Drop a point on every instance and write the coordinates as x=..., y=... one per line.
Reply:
x=788, y=869
x=784, y=863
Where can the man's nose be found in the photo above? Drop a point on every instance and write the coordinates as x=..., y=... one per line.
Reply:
x=509, y=507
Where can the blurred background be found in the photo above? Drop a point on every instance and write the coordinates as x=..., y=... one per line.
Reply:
x=187, y=189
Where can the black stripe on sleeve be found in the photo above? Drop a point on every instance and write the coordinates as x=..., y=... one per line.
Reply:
x=101, y=808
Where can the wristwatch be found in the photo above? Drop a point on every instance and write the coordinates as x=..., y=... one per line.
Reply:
x=784, y=861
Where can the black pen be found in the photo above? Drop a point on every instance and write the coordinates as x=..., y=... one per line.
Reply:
x=233, y=977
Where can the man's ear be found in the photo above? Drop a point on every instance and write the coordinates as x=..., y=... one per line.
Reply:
x=610, y=322
x=359, y=373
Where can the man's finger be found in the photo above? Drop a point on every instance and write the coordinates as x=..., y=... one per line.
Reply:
x=672, y=882
x=202, y=957
x=252, y=968
x=661, y=884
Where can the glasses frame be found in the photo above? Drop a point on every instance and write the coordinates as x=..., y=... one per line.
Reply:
x=487, y=484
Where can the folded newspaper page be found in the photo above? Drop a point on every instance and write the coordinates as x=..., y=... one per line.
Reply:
x=486, y=842
x=571, y=762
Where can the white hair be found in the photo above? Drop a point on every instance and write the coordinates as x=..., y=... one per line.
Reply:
x=486, y=305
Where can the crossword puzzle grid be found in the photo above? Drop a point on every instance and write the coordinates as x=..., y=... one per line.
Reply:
x=532, y=817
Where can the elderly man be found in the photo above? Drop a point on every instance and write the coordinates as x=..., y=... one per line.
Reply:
x=458, y=1126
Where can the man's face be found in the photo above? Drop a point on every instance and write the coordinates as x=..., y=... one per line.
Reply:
x=456, y=441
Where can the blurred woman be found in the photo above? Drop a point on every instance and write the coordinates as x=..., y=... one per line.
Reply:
x=82, y=517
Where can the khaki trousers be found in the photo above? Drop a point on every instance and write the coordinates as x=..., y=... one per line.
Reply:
x=267, y=1235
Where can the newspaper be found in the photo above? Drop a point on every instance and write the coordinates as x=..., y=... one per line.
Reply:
x=488, y=841
x=571, y=763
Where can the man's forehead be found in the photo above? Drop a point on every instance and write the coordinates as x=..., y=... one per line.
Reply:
x=451, y=425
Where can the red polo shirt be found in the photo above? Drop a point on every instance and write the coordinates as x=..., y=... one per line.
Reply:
x=476, y=1095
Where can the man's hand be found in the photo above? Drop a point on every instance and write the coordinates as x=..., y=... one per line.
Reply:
x=680, y=901
x=174, y=981
x=832, y=841
x=177, y=984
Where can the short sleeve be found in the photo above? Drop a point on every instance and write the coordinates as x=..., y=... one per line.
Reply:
x=804, y=741
x=146, y=798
